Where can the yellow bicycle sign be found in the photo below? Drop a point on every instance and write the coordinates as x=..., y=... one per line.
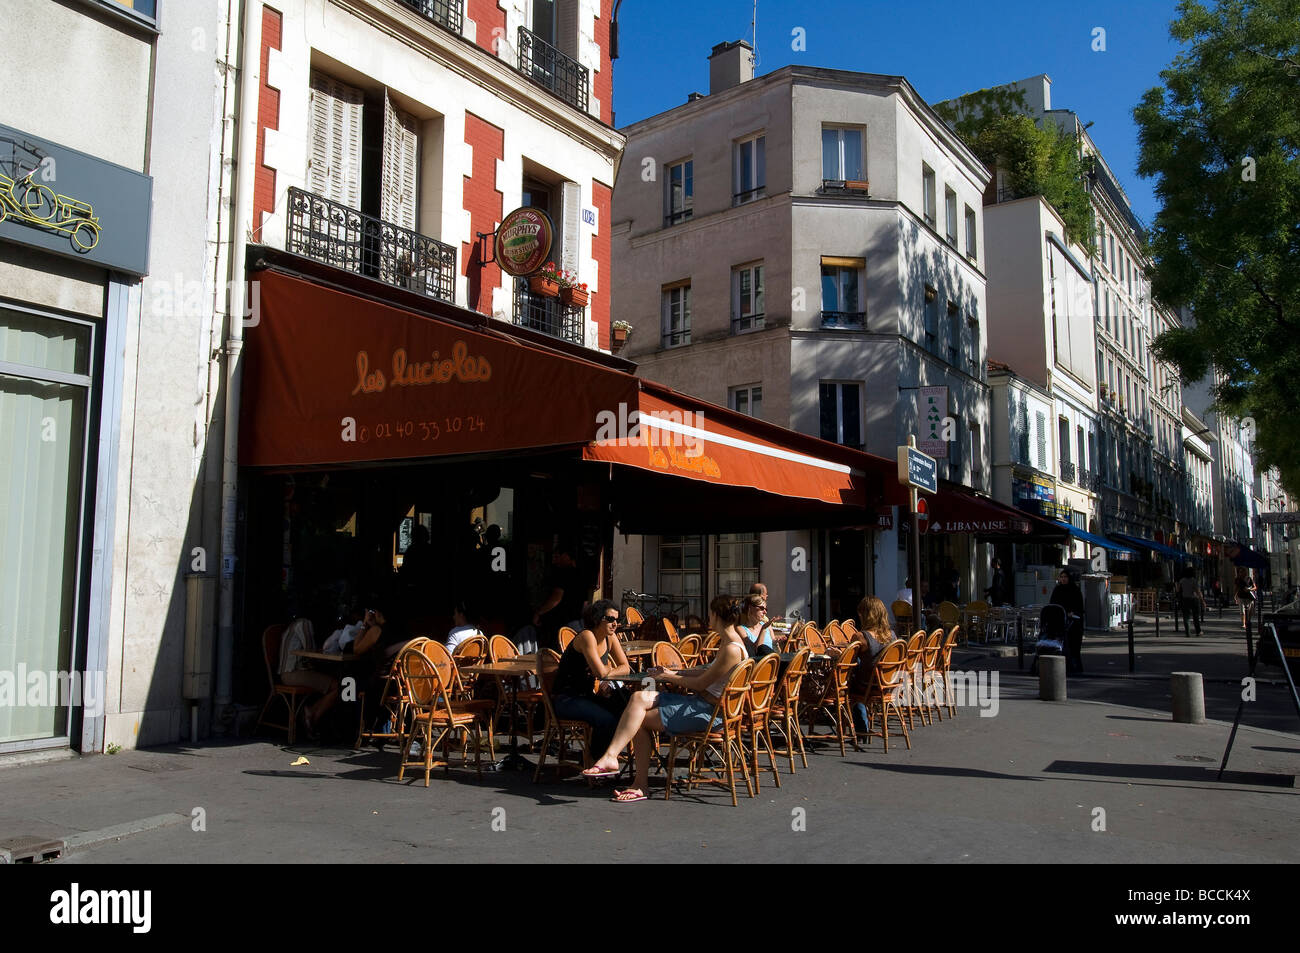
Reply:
x=34, y=204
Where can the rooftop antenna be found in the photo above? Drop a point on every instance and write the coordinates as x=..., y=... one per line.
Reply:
x=753, y=27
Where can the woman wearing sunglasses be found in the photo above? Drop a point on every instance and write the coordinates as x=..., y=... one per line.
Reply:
x=594, y=654
x=755, y=627
x=670, y=712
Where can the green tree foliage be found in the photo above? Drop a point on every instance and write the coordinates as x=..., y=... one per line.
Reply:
x=1038, y=161
x=1222, y=139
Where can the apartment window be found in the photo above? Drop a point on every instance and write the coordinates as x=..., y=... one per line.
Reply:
x=976, y=452
x=1041, y=420
x=927, y=193
x=679, y=201
x=1079, y=444
x=931, y=317
x=972, y=251
x=950, y=215
x=841, y=413
x=681, y=569
x=142, y=10
x=954, y=333
x=1101, y=241
x=746, y=298
x=736, y=566
x=973, y=364
x=1063, y=440
x=677, y=315
x=1112, y=253
x=1092, y=454
x=842, y=154
x=747, y=399
x=749, y=170
x=841, y=301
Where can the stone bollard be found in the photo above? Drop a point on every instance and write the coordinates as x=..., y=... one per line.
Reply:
x=1051, y=678
x=1188, y=691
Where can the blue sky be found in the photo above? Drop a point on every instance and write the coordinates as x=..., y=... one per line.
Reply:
x=943, y=48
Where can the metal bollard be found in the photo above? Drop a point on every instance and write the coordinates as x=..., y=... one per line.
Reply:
x=1051, y=678
x=1188, y=691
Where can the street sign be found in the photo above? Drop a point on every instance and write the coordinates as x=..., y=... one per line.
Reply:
x=918, y=470
x=1279, y=517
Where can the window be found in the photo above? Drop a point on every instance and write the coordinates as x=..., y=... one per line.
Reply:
x=931, y=317
x=927, y=193
x=1042, y=440
x=1063, y=440
x=680, y=199
x=950, y=215
x=1101, y=241
x=972, y=251
x=677, y=316
x=841, y=303
x=842, y=155
x=973, y=365
x=841, y=413
x=334, y=143
x=1079, y=444
x=681, y=569
x=1112, y=253
x=139, y=10
x=736, y=562
x=747, y=399
x=954, y=333
x=750, y=170
x=746, y=298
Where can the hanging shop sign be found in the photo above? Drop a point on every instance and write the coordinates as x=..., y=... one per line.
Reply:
x=933, y=408
x=72, y=204
x=523, y=241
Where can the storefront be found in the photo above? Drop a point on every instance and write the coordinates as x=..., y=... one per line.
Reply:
x=364, y=417
x=74, y=237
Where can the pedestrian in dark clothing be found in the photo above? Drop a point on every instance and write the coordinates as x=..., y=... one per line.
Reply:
x=1069, y=596
x=1190, y=601
x=997, y=592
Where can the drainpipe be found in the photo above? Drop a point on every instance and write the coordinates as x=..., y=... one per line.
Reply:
x=249, y=73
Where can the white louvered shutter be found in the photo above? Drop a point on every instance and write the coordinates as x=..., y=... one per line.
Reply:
x=334, y=146
x=571, y=209
x=401, y=139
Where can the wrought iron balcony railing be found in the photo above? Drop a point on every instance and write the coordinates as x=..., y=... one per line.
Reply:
x=445, y=13
x=845, y=319
x=548, y=315
x=1067, y=471
x=338, y=235
x=548, y=67
x=746, y=323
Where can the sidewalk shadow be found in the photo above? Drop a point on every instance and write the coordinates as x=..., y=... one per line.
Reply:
x=1170, y=772
x=936, y=770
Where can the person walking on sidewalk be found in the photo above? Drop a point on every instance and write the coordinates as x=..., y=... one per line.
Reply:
x=1190, y=600
x=1245, y=594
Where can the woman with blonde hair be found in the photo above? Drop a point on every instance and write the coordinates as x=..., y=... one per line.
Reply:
x=874, y=632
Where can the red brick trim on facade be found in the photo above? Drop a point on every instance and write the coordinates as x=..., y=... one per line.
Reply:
x=483, y=201
x=268, y=117
x=602, y=197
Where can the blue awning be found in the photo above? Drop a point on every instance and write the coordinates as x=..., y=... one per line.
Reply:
x=1096, y=540
x=1151, y=544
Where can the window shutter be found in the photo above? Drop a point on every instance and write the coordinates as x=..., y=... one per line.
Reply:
x=398, y=196
x=334, y=157
x=566, y=27
x=571, y=205
x=1042, y=441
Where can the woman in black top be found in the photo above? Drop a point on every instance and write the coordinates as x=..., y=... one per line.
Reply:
x=1069, y=596
x=596, y=653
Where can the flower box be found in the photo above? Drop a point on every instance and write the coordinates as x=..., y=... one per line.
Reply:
x=574, y=296
x=545, y=287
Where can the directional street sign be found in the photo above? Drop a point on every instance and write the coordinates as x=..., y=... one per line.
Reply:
x=918, y=470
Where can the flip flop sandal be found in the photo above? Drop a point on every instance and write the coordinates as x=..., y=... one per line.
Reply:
x=628, y=795
x=600, y=773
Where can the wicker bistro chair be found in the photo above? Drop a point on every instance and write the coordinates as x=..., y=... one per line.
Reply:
x=812, y=638
x=902, y=616
x=850, y=627
x=294, y=696
x=930, y=678
x=785, y=708
x=633, y=617
x=709, y=647
x=949, y=614
x=667, y=655
x=912, y=680
x=394, y=700
x=527, y=699
x=834, y=701
x=944, y=666
x=886, y=689
x=432, y=710
x=977, y=618
x=670, y=630
x=566, y=636
x=563, y=732
x=689, y=647
x=758, y=714
x=834, y=634
x=725, y=739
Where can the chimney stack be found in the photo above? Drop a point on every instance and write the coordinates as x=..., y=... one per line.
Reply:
x=730, y=64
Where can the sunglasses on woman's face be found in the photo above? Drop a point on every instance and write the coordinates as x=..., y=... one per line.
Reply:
x=612, y=618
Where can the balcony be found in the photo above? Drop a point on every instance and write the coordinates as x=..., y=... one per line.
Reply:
x=746, y=323
x=549, y=68
x=845, y=187
x=339, y=235
x=1067, y=472
x=845, y=320
x=1084, y=478
x=445, y=13
x=548, y=315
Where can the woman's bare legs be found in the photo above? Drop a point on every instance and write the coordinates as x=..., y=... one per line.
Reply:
x=634, y=716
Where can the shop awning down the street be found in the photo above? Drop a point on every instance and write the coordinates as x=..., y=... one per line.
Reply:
x=336, y=379
x=1160, y=549
x=1119, y=550
x=956, y=511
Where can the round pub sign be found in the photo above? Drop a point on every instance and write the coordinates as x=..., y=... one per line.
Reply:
x=524, y=241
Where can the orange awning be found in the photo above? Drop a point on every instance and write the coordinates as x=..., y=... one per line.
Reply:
x=335, y=378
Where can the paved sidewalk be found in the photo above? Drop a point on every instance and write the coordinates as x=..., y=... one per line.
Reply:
x=1035, y=783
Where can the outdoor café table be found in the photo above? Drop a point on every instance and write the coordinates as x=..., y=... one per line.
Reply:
x=514, y=669
x=638, y=650
x=324, y=656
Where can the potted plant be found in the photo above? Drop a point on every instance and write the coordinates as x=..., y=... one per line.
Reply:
x=572, y=292
x=546, y=282
x=618, y=332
